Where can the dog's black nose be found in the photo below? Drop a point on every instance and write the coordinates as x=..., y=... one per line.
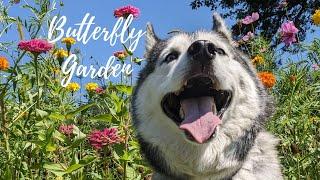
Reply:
x=202, y=50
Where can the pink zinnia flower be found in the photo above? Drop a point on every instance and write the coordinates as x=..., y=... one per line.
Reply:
x=99, y=139
x=120, y=54
x=125, y=11
x=262, y=50
x=35, y=46
x=288, y=33
x=250, y=19
x=315, y=67
x=66, y=129
x=248, y=36
x=99, y=90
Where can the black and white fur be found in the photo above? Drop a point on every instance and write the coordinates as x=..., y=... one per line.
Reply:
x=241, y=147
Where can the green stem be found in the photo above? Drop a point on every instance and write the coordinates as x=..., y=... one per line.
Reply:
x=131, y=58
x=37, y=77
x=105, y=160
x=4, y=127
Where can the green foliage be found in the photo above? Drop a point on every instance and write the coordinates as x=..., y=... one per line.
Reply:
x=34, y=105
x=296, y=121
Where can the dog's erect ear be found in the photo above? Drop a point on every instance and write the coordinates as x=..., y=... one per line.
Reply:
x=220, y=27
x=151, y=38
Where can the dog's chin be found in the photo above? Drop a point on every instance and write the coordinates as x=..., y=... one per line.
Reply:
x=197, y=108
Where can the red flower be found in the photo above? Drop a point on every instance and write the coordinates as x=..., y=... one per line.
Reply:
x=35, y=46
x=99, y=90
x=99, y=139
x=66, y=129
x=125, y=11
x=120, y=55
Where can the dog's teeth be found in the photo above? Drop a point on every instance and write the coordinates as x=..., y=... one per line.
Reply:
x=185, y=83
x=181, y=113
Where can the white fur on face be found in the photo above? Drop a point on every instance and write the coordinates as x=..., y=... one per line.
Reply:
x=157, y=128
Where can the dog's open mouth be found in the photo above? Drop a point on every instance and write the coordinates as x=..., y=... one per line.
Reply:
x=197, y=108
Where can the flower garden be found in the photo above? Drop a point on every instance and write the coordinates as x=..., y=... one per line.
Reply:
x=48, y=133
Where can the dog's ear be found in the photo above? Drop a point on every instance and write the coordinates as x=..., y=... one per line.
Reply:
x=220, y=27
x=151, y=38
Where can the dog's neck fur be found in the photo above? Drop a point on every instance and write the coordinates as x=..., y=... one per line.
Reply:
x=261, y=163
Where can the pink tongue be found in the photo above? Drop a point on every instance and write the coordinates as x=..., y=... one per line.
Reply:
x=199, y=119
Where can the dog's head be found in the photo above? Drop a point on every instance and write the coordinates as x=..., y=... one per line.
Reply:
x=197, y=85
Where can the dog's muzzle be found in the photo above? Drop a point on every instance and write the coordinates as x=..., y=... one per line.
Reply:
x=202, y=51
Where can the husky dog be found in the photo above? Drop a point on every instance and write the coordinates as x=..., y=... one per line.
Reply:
x=200, y=110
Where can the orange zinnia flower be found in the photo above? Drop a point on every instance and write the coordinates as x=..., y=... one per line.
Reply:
x=4, y=63
x=267, y=79
x=293, y=78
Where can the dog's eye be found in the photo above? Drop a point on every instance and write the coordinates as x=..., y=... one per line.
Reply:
x=220, y=51
x=171, y=57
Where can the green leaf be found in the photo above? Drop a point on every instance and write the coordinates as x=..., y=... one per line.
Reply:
x=126, y=157
x=76, y=131
x=102, y=117
x=83, y=162
x=57, y=135
x=80, y=109
x=79, y=137
x=55, y=168
x=73, y=168
x=87, y=160
x=8, y=173
x=50, y=147
x=127, y=50
x=41, y=113
x=75, y=159
x=131, y=174
x=124, y=88
x=137, y=60
x=56, y=116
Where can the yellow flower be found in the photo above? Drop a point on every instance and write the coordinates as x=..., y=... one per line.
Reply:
x=56, y=70
x=73, y=86
x=91, y=86
x=313, y=119
x=4, y=63
x=61, y=53
x=59, y=178
x=69, y=40
x=267, y=79
x=316, y=17
x=258, y=60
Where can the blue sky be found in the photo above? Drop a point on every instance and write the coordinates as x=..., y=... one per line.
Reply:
x=165, y=16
